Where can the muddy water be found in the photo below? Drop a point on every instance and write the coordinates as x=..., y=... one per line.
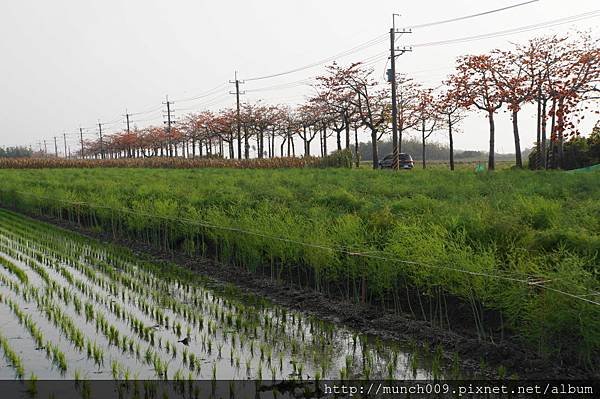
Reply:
x=151, y=325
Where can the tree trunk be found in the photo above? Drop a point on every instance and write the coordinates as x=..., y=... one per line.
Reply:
x=374, y=145
x=293, y=146
x=544, y=150
x=325, y=141
x=306, y=144
x=282, y=146
x=560, y=132
x=356, y=155
x=451, y=140
x=400, y=129
x=423, y=144
x=491, y=160
x=273, y=143
x=347, y=134
x=515, y=123
x=552, y=156
x=321, y=136
x=538, y=148
x=246, y=143
x=261, y=145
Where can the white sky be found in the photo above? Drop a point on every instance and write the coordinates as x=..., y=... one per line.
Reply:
x=67, y=64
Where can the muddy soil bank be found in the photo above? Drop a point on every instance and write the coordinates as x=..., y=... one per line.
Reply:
x=516, y=358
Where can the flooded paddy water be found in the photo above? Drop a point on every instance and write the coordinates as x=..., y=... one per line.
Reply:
x=74, y=308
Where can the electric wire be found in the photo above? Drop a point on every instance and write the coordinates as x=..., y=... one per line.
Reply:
x=479, y=14
x=521, y=29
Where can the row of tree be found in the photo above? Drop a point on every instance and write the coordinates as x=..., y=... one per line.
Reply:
x=435, y=151
x=579, y=152
x=557, y=74
x=15, y=152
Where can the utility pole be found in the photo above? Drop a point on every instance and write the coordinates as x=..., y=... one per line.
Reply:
x=239, y=119
x=55, y=148
x=45, y=148
x=168, y=104
x=81, y=138
x=65, y=142
x=101, y=142
x=392, y=80
x=127, y=119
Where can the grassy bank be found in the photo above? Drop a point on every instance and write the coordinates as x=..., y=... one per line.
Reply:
x=509, y=252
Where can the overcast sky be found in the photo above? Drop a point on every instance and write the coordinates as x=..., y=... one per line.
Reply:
x=67, y=64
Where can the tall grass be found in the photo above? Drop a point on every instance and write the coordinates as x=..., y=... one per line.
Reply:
x=500, y=230
x=341, y=158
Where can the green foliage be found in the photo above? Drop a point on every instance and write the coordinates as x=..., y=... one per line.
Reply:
x=339, y=159
x=578, y=152
x=15, y=152
x=416, y=229
x=433, y=150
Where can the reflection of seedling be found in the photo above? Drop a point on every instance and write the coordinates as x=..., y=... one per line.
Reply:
x=32, y=385
x=455, y=371
x=502, y=372
x=300, y=370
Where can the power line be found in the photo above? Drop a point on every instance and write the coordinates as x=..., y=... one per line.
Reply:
x=511, y=31
x=381, y=39
x=297, y=83
x=377, y=40
x=446, y=21
x=160, y=107
x=207, y=93
x=208, y=99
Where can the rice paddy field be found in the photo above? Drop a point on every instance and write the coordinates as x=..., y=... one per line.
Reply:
x=511, y=255
x=72, y=308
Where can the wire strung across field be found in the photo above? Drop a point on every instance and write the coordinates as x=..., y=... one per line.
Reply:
x=529, y=280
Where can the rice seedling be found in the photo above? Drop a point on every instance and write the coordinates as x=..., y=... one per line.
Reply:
x=115, y=370
x=14, y=269
x=228, y=324
x=13, y=358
